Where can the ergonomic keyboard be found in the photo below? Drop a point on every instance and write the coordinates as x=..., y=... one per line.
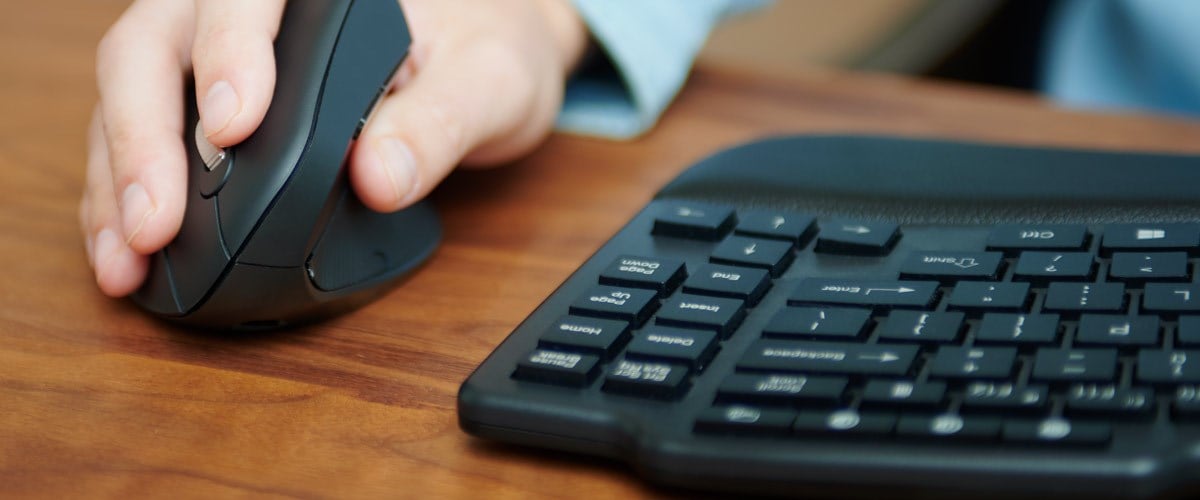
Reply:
x=879, y=316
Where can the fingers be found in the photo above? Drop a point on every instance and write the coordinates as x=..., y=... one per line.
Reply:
x=119, y=270
x=234, y=62
x=461, y=99
x=140, y=66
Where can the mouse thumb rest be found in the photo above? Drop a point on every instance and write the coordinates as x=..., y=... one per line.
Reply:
x=272, y=235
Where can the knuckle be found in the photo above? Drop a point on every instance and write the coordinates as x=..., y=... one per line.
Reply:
x=447, y=122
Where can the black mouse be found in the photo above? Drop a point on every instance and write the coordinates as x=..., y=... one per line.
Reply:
x=272, y=235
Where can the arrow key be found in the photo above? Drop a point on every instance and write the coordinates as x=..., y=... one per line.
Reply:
x=973, y=362
x=857, y=238
x=772, y=255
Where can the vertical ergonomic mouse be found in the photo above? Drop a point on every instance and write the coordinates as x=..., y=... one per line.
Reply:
x=272, y=235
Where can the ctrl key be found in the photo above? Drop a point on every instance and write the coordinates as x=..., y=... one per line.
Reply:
x=561, y=368
x=646, y=379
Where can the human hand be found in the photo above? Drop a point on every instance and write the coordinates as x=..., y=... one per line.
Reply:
x=482, y=85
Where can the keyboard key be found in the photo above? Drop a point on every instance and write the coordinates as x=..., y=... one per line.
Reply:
x=818, y=322
x=857, y=238
x=949, y=426
x=698, y=221
x=743, y=283
x=1187, y=331
x=647, y=379
x=828, y=357
x=781, y=389
x=1075, y=365
x=1110, y=399
x=1168, y=367
x=845, y=422
x=603, y=337
x=1005, y=396
x=1022, y=329
x=795, y=228
x=1108, y=329
x=904, y=393
x=917, y=294
x=655, y=273
x=1180, y=236
x=562, y=368
x=1011, y=237
x=1171, y=297
x=690, y=347
x=1141, y=267
x=951, y=266
x=919, y=326
x=1042, y=267
x=1057, y=430
x=772, y=255
x=1187, y=401
x=745, y=420
x=973, y=362
x=1085, y=297
x=624, y=303
x=982, y=295
x=697, y=311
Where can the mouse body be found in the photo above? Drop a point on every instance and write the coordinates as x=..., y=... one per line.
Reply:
x=272, y=235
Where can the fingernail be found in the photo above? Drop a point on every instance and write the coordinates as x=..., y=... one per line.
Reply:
x=221, y=104
x=107, y=246
x=136, y=208
x=398, y=166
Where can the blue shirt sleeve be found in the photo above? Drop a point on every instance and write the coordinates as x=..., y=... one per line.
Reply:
x=1125, y=54
x=651, y=46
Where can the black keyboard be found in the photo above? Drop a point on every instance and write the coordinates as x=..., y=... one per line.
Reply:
x=863, y=315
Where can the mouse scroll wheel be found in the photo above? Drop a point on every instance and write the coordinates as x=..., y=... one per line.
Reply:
x=211, y=155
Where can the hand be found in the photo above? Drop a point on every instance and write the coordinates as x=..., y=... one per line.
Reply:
x=482, y=85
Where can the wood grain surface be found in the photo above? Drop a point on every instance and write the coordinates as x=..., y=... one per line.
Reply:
x=97, y=399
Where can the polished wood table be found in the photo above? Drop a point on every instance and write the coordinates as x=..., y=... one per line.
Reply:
x=98, y=399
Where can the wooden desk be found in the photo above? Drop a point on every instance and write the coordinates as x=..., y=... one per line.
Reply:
x=97, y=399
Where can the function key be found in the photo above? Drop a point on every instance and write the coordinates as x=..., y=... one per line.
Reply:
x=1179, y=236
x=691, y=347
x=983, y=295
x=1070, y=365
x=563, y=368
x=949, y=267
x=973, y=362
x=792, y=227
x=1085, y=297
x=697, y=311
x=1057, y=266
x=818, y=322
x=655, y=273
x=828, y=357
x=1139, y=267
x=772, y=255
x=1169, y=297
x=918, y=294
x=845, y=422
x=1057, y=430
x=781, y=389
x=647, y=379
x=624, y=303
x=1022, y=329
x=577, y=333
x=1114, y=329
x=1015, y=237
x=920, y=326
x=857, y=238
x=1168, y=367
x=699, y=221
x=745, y=420
x=744, y=283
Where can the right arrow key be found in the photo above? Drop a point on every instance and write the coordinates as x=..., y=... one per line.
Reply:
x=857, y=238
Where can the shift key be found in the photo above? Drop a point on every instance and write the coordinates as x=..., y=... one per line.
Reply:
x=864, y=293
x=828, y=357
